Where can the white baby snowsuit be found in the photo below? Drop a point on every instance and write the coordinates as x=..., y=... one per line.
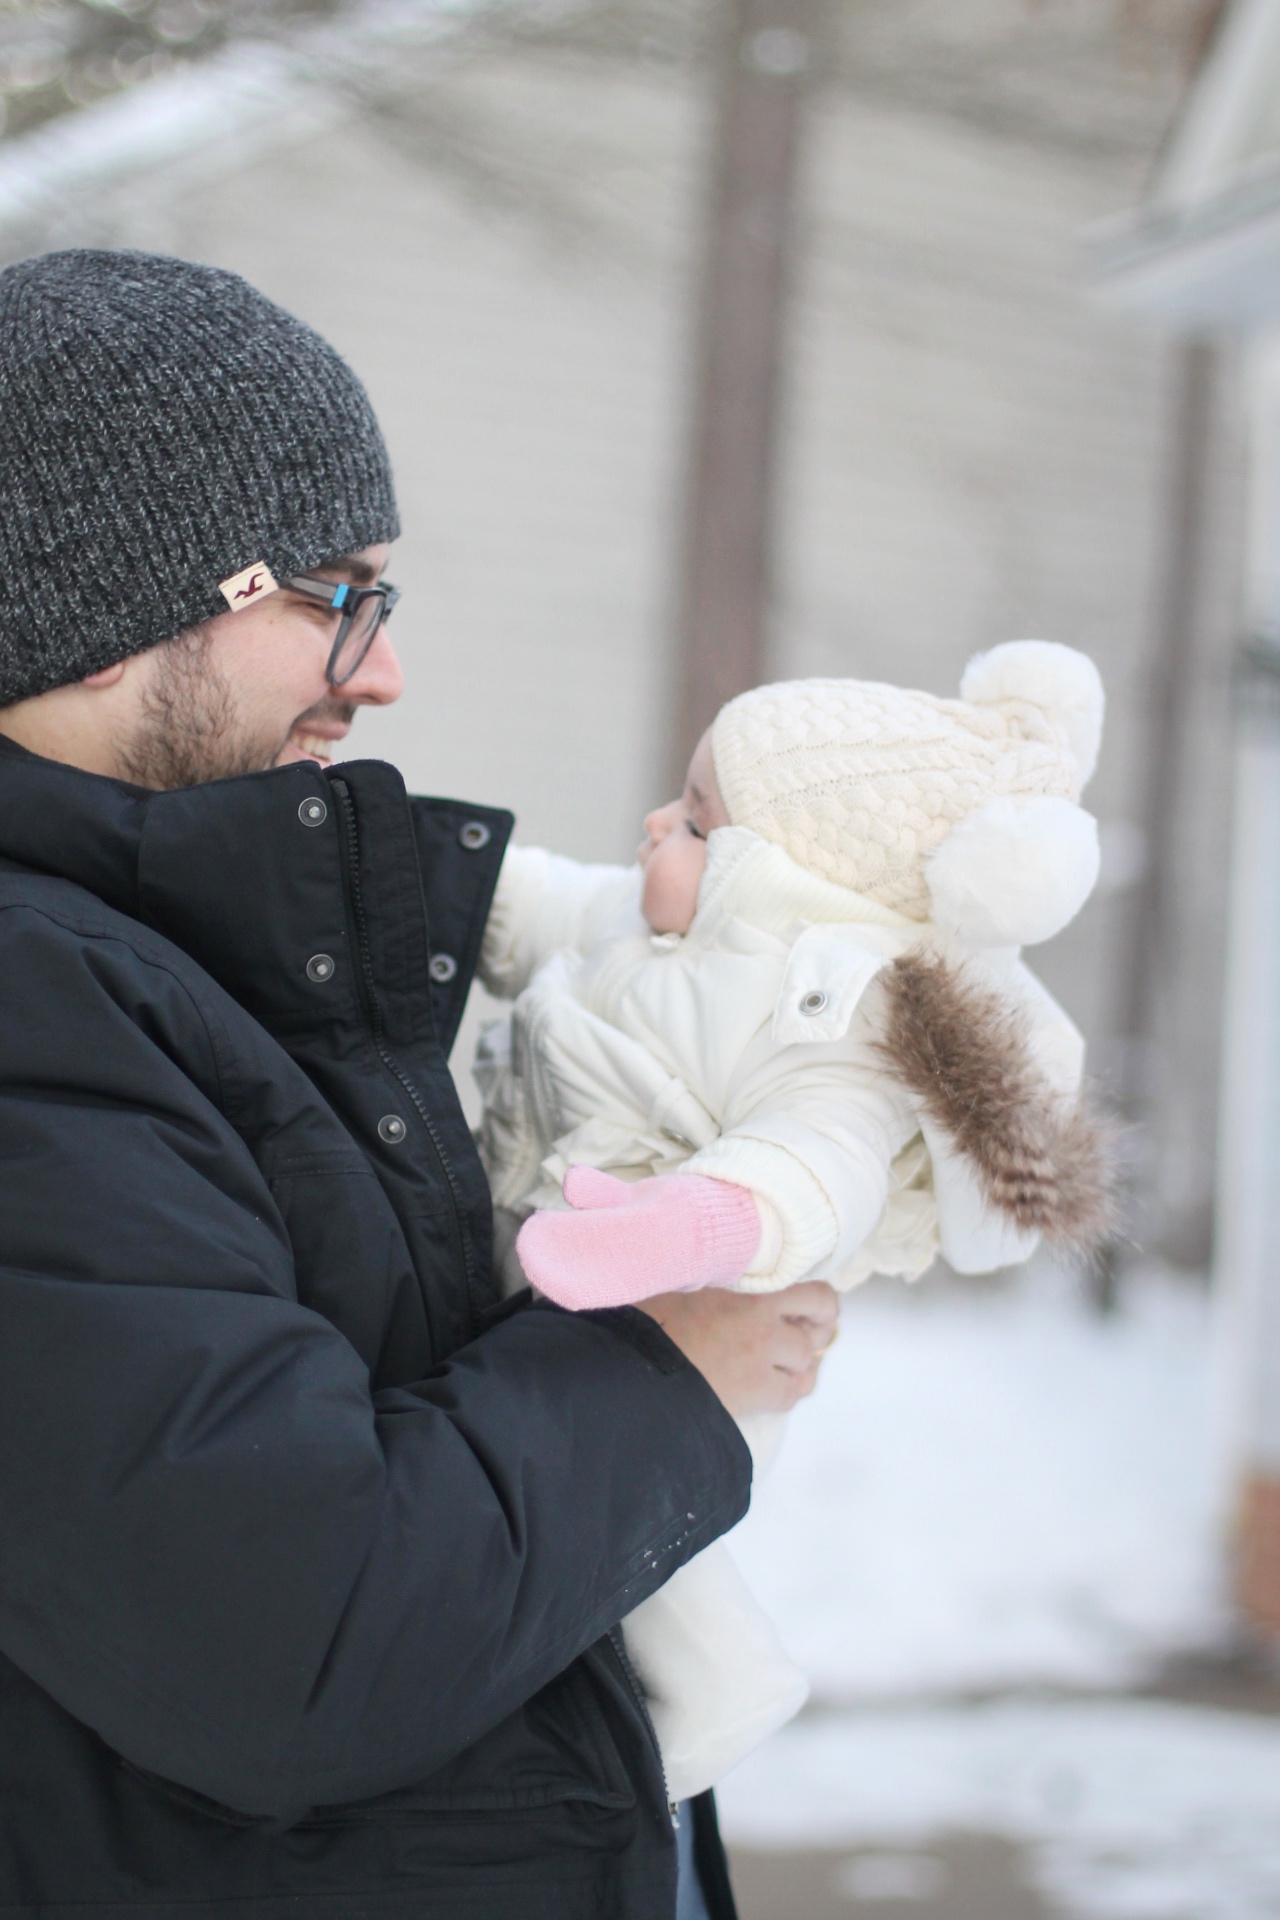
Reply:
x=846, y=1030
x=747, y=1050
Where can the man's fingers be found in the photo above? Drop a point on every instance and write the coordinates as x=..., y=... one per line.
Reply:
x=808, y=1298
x=760, y=1352
x=811, y=1302
x=792, y=1385
x=819, y=1333
x=795, y=1350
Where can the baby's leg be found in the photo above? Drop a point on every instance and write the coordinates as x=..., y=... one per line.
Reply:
x=764, y=1434
x=713, y=1668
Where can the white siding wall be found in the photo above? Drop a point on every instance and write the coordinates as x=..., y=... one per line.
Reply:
x=973, y=455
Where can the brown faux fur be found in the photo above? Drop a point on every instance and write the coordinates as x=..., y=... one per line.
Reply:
x=963, y=1051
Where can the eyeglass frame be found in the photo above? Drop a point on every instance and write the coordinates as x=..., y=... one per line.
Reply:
x=346, y=600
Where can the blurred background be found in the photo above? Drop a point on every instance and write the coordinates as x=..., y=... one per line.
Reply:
x=720, y=340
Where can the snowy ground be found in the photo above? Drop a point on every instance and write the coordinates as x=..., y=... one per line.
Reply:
x=997, y=1494
x=995, y=1488
x=1135, y=1809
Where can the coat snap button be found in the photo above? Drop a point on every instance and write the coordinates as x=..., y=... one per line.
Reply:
x=392, y=1129
x=442, y=969
x=474, y=835
x=313, y=812
x=813, y=1003
x=320, y=967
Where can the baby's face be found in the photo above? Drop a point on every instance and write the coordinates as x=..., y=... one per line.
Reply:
x=674, y=853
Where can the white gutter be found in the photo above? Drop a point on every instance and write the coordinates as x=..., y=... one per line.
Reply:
x=1215, y=263
x=1231, y=90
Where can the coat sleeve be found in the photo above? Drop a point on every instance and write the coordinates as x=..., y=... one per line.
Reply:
x=545, y=902
x=243, y=1568
x=812, y=1133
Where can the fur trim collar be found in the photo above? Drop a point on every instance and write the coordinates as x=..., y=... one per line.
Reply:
x=1047, y=1163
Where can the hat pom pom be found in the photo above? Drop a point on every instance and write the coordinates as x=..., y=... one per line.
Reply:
x=1064, y=684
x=1015, y=872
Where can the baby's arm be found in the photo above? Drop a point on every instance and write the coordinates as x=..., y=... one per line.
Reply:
x=792, y=1189
x=812, y=1138
x=545, y=902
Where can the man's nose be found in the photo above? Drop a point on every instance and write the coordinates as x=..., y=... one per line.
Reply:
x=379, y=679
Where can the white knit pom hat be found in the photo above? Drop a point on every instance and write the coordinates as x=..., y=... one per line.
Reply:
x=962, y=812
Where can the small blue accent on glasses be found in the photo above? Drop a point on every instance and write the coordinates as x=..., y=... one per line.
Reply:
x=361, y=612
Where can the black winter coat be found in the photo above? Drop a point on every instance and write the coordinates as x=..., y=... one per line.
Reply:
x=309, y=1550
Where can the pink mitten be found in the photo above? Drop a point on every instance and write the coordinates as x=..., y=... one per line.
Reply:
x=627, y=1240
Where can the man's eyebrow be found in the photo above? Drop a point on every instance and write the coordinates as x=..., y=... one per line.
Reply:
x=360, y=571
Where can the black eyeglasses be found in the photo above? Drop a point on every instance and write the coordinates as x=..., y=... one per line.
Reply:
x=363, y=610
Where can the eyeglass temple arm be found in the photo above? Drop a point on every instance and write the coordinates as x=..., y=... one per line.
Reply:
x=334, y=594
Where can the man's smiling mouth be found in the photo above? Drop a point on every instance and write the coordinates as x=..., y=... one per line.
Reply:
x=315, y=746
x=315, y=734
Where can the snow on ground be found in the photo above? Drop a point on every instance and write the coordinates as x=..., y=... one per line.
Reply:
x=996, y=1489
x=1132, y=1810
x=992, y=1488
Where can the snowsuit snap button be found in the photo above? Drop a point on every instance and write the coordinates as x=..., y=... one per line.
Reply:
x=474, y=835
x=313, y=812
x=813, y=1003
x=320, y=967
x=442, y=968
x=392, y=1129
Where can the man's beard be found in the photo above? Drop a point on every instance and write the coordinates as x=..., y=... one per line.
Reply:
x=189, y=730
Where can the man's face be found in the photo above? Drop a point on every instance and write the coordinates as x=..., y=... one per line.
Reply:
x=248, y=690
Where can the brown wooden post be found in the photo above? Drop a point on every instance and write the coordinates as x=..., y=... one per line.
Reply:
x=1257, y=1569
x=725, y=586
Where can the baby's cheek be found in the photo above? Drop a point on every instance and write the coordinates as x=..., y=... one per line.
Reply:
x=697, y=866
x=672, y=877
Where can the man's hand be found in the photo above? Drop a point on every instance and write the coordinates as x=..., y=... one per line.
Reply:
x=759, y=1352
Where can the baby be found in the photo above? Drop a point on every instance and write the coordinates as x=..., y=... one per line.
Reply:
x=798, y=1042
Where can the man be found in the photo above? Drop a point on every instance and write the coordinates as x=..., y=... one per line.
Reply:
x=310, y=1551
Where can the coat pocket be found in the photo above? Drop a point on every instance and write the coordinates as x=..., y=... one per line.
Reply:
x=557, y=1748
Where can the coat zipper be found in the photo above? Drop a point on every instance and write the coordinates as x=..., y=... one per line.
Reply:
x=373, y=1015
x=632, y=1679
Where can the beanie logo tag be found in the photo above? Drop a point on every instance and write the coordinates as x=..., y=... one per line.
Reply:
x=242, y=589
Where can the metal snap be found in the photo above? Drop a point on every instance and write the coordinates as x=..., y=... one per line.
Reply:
x=813, y=1003
x=392, y=1129
x=442, y=968
x=313, y=812
x=320, y=967
x=474, y=835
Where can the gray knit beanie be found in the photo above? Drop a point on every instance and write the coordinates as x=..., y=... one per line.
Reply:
x=162, y=427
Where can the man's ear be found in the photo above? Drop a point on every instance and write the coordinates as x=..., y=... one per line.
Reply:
x=106, y=676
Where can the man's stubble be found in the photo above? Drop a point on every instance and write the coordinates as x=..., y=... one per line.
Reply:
x=191, y=730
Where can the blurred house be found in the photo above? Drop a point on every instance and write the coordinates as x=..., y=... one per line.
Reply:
x=1202, y=256
x=496, y=211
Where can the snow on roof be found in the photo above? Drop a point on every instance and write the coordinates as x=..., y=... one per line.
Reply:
x=204, y=115
x=1204, y=249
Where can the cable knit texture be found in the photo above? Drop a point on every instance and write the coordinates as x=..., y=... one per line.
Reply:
x=628, y=1240
x=164, y=426
x=860, y=783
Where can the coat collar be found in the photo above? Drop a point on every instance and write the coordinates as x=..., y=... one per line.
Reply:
x=76, y=826
x=236, y=874
x=753, y=879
